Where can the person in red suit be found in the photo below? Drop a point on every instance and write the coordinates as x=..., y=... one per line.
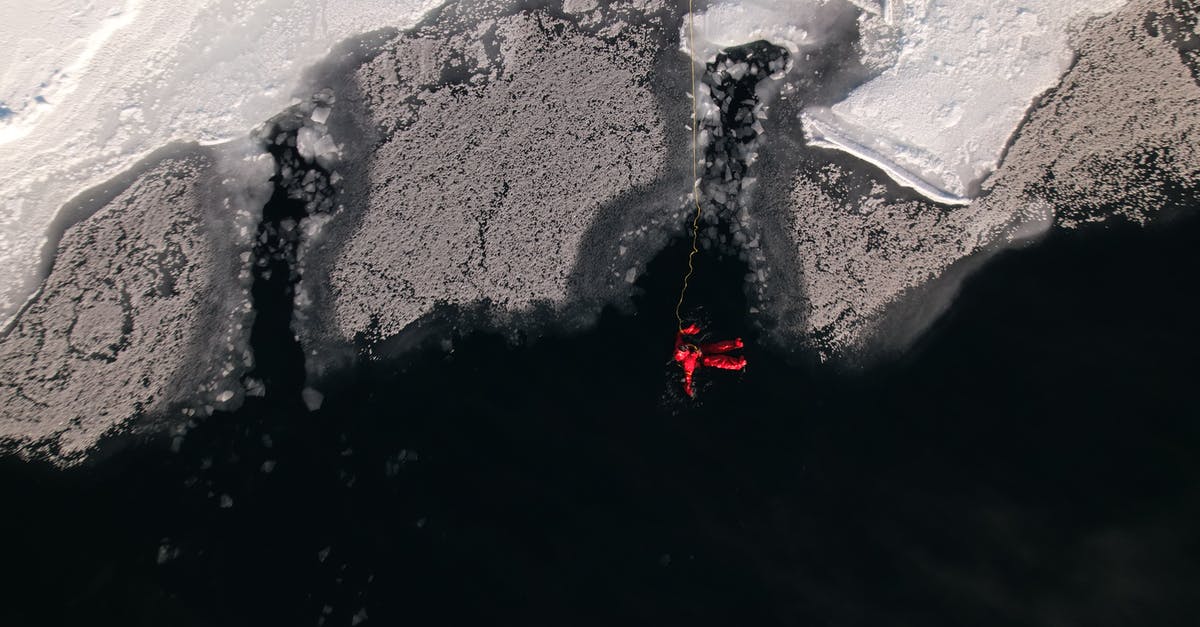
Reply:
x=691, y=356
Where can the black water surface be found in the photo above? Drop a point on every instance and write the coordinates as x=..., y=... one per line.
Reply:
x=1031, y=462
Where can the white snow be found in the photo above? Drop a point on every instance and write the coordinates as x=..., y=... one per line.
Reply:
x=962, y=76
x=306, y=142
x=967, y=72
x=793, y=24
x=320, y=114
x=873, y=148
x=88, y=88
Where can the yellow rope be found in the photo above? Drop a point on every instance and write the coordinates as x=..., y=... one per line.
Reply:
x=695, y=172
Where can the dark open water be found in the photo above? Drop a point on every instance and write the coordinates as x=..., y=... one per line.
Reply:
x=1033, y=461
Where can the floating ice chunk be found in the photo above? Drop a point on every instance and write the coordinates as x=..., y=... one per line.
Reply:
x=326, y=148
x=320, y=114
x=306, y=142
x=166, y=552
x=312, y=398
x=225, y=396
x=255, y=387
x=226, y=501
x=311, y=144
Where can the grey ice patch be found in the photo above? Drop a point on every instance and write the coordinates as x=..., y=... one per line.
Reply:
x=579, y=6
x=504, y=143
x=145, y=311
x=857, y=254
x=312, y=398
x=1118, y=136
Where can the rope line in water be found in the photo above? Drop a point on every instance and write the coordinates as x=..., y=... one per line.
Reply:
x=695, y=169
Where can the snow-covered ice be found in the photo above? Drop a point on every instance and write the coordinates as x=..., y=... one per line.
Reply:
x=87, y=89
x=968, y=70
x=964, y=74
x=792, y=24
x=877, y=269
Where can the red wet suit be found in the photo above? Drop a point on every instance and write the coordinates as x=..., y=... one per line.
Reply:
x=691, y=356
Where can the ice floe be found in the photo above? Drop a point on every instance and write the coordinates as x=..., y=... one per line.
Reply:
x=961, y=78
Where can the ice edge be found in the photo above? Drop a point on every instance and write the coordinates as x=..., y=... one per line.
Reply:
x=822, y=135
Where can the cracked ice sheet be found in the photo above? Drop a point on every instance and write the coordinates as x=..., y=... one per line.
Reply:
x=89, y=90
x=938, y=120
